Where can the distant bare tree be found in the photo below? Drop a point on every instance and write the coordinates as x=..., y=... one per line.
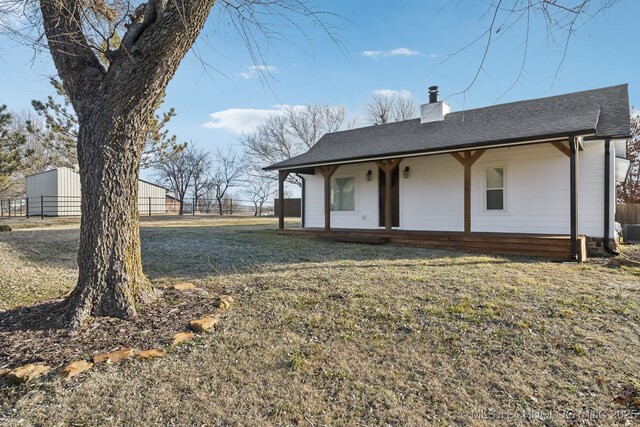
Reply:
x=176, y=171
x=291, y=133
x=629, y=191
x=39, y=160
x=260, y=187
x=228, y=168
x=200, y=162
x=385, y=108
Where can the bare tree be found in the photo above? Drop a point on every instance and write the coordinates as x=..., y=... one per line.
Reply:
x=260, y=187
x=228, y=168
x=177, y=170
x=35, y=157
x=386, y=107
x=560, y=21
x=200, y=163
x=291, y=133
x=629, y=191
x=114, y=89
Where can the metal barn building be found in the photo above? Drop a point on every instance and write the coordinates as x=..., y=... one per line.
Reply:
x=56, y=192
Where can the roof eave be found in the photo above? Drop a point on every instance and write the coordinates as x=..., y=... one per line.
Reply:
x=463, y=147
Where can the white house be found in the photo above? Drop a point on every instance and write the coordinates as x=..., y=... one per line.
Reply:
x=530, y=177
x=56, y=192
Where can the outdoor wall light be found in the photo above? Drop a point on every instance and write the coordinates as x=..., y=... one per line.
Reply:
x=369, y=173
x=407, y=172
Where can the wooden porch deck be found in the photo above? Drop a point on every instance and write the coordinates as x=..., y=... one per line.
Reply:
x=556, y=247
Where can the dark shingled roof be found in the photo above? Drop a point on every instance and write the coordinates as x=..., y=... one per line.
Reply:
x=603, y=112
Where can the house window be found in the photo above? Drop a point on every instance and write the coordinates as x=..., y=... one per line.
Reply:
x=495, y=189
x=343, y=194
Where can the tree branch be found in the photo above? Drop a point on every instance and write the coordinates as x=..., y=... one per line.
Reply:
x=77, y=65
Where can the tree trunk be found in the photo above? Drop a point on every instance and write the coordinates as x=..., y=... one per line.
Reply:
x=114, y=105
x=220, y=207
x=110, y=281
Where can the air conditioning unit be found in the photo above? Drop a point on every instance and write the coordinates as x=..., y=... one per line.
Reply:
x=631, y=233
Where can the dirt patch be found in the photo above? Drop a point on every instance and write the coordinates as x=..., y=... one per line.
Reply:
x=26, y=337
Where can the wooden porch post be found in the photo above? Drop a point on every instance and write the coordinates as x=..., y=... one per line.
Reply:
x=327, y=172
x=467, y=159
x=282, y=176
x=573, y=182
x=388, y=166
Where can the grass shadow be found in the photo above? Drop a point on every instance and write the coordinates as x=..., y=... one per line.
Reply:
x=40, y=317
x=197, y=251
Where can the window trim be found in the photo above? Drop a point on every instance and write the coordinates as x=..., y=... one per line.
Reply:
x=503, y=188
x=355, y=193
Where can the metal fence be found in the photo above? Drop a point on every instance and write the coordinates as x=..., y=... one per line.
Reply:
x=53, y=206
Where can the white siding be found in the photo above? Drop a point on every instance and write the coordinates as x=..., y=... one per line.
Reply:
x=591, y=194
x=432, y=198
x=314, y=201
x=616, y=151
x=536, y=191
x=365, y=214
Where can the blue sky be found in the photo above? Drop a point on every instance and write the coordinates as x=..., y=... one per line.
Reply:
x=385, y=46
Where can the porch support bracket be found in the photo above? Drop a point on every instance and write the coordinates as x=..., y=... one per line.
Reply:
x=467, y=159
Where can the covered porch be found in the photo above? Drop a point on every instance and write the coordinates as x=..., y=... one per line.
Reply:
x=559, y=246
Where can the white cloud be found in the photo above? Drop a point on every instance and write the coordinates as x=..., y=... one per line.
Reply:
x=242, y=120
x=257, y=70
x=372, y=53
x=399, y=51
x=390, y=93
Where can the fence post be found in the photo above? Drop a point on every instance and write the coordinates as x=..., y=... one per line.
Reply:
x=41, y=207
x=27, y=208
x=149, y=206
x=9, y=207
x=1, y=208
x=230, y=206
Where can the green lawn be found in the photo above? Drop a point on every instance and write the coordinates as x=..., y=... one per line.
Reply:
x=344, y=334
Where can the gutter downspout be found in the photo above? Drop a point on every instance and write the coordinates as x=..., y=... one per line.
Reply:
x=607, y=196
x=573, y=190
